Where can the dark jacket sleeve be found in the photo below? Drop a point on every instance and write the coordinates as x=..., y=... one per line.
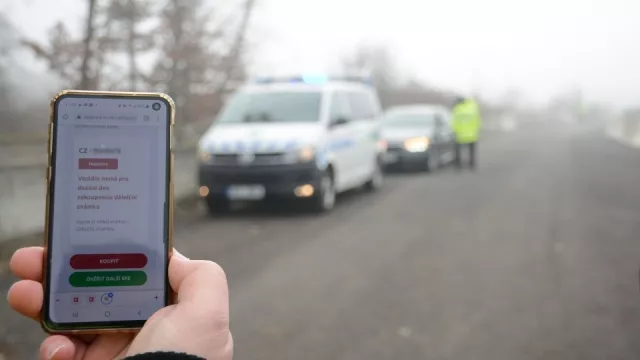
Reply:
x=164, y=356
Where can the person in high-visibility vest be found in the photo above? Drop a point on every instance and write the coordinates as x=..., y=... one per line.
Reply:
x=466, y=126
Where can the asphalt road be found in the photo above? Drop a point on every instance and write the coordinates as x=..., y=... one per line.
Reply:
x=533, y=256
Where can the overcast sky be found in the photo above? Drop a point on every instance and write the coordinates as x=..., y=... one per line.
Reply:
x=541, y=47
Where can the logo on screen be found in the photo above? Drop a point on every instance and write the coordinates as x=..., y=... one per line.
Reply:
x=156, y=106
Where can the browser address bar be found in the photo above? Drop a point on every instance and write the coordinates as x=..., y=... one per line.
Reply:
x=110, y=117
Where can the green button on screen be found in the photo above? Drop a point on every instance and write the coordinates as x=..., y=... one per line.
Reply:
x=107, y=278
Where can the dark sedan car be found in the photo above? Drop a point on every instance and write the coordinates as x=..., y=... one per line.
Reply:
x=418, y=136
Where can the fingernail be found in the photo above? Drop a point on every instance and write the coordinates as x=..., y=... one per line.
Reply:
x=179, y=256
x=53, y=351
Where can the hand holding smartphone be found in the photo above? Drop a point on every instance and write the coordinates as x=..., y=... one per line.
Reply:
x=109, y=219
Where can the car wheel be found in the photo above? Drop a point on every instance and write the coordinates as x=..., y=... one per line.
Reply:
x=325, y=198
x=433, y=161
x=217, y=205
x=377, y=179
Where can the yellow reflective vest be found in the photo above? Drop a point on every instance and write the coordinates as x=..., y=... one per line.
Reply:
x=466, y=122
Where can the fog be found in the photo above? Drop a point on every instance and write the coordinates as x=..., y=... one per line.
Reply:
x=26, y=72
x=503, y=225
x=541, y=48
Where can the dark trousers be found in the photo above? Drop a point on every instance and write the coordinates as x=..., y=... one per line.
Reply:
x=472, y=154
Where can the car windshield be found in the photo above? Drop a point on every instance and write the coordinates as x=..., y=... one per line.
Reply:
x=409, y=120
x=272, y=107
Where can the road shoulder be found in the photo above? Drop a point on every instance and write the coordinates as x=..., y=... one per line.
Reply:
x=616, y=131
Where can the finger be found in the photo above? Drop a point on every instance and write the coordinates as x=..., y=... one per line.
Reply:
x=201, y=283
x=58, y=347
x=178, y=254
x=26, y=297
x=26, y=263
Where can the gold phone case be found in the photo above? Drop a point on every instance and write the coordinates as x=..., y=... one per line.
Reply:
x=123, y=94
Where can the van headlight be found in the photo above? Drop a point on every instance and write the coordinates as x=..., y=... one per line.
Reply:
x=301, y=155
x=306, y=154
x=417, y=144
x=204, y=156
x=383, y=145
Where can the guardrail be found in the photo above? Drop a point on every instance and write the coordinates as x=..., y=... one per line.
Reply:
x=23, y=138
x=22, y=194
x=22, y=172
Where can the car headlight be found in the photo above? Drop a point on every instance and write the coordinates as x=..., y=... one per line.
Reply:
x=203, y=155
x=417, y=144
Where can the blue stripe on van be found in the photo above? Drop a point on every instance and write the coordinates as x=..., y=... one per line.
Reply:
x=341, y=144
x=224, y=147
x=291, y=145
x=255, y=146
x=271, y=146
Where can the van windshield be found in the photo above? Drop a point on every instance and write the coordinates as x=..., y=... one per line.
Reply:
x=409, y=120
x=267, y=107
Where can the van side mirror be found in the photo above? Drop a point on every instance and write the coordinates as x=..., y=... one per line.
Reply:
x=338, y=121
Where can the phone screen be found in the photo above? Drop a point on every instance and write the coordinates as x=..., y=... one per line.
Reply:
x=109, y=201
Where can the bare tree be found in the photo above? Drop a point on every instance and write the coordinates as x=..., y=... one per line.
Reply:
x=76, y=61
x=379, y=64
x=7, y=42
x=63, y=54
x=188, y=67
x=198, y=55
x=125, y=18
x=233, y=61
x=85, y=78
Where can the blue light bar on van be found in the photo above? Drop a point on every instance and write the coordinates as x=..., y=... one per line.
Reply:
x=263, y=80
x=312, y=79
x=315, y=79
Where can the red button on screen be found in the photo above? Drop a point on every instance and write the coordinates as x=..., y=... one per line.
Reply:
x=97, y=164
x=108, y=261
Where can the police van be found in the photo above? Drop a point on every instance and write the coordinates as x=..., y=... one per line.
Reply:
x=303, y=137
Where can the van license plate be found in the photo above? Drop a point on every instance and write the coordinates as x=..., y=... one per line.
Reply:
x=245, y=192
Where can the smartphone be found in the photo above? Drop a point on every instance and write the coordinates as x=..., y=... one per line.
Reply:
x=109, y=211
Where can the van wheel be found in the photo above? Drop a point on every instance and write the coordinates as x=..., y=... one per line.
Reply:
x=325, y=198
x=377, y=179
x=217, y=205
